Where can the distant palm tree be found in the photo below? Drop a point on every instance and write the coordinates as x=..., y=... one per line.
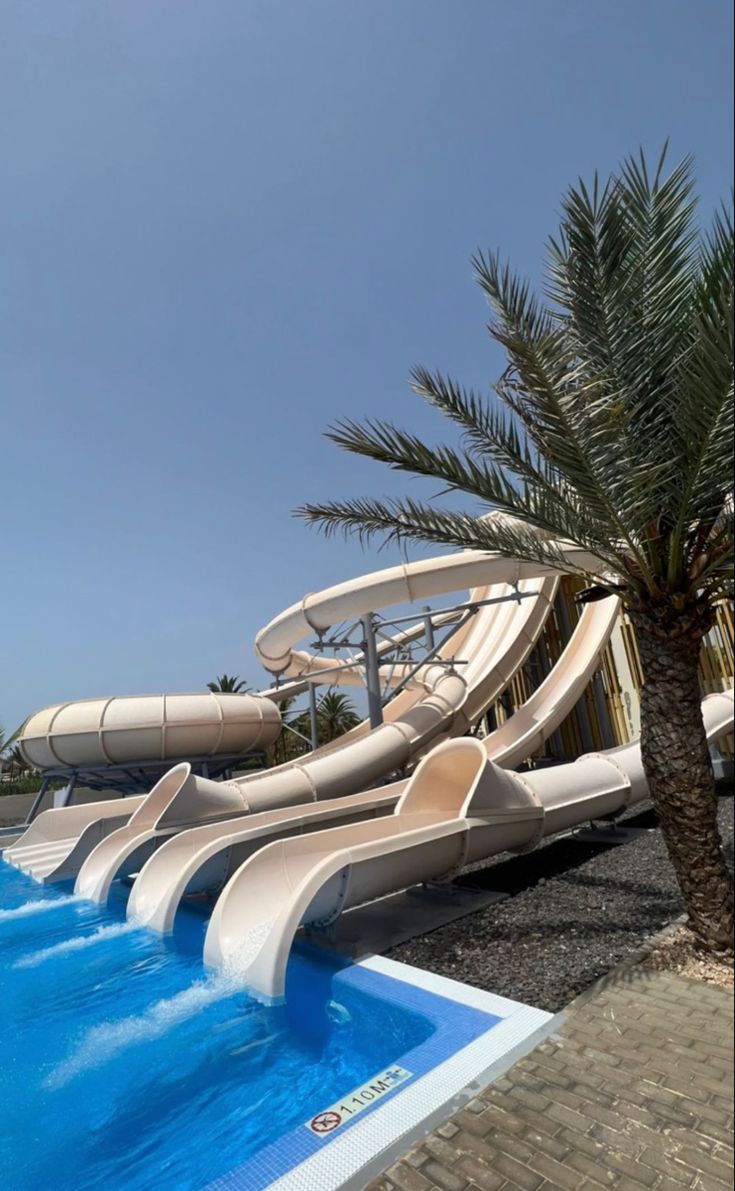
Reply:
x=617, y=435
x=15, y=761
x=228, y=684
x=335, y=715
x=8, y=753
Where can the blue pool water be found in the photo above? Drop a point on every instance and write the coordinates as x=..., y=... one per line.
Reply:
x=125, y=1064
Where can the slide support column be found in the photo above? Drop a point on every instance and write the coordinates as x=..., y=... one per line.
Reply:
x=313, y=718
x=38, y=800
x=372, y=672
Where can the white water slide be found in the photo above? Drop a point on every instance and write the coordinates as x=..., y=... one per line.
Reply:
x=441, y=701
x=202, y=859
x=444, y=700
x=140, y=729
x=458, y=807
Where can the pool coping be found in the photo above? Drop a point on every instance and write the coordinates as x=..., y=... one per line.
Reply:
x=349, y=1159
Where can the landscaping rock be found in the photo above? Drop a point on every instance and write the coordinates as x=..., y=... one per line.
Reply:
x=575, y=911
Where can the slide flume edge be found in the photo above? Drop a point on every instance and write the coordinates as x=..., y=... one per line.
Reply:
x=458, y=807
x=203, y=858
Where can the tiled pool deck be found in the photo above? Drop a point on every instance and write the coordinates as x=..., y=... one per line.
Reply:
x=634, y=1092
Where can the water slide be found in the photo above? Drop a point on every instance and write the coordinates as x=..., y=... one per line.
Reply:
x=103, y=840
x=458, y=807
x=436, y=703
x=117, y=730
x=135, y=729
x=202, y=859
x=444, y=698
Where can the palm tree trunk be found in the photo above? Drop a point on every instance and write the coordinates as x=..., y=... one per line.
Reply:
x=681, y=781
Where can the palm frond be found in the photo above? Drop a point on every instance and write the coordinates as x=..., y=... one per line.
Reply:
x=409, y=520
x=612, y=426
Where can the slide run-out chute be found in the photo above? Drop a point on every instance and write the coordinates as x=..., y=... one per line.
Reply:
x=458, y=807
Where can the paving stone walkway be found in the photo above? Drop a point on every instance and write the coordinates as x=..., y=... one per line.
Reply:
x=634, y=1092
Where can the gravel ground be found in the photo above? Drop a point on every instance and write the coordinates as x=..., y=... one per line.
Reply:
x=574, y=912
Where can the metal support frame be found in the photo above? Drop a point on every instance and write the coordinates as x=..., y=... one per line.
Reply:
x=557, y=743
x=134, y=776
x=470, y=606
x=372, y=627
x=64, y=797
x=313, y=717
x=372, y=671
x=46, y=782
x=429, y=629
x=608, y=832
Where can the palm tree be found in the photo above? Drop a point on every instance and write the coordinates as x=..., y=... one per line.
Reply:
x=10, y=754
x=335, y=715
x=17, y=764
x=228, y=684
x=614, y=431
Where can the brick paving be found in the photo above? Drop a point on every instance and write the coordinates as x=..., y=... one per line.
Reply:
x=635, y=1092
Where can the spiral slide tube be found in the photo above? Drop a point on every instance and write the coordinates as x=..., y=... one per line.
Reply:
x=458, y=807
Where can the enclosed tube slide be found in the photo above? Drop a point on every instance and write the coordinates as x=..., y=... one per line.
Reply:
x=147, y=728
x=458, y=807
x=111, y=731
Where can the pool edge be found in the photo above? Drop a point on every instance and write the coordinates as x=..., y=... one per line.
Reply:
x=349, y=1161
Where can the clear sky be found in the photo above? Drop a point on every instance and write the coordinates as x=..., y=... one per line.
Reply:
x=227, y=224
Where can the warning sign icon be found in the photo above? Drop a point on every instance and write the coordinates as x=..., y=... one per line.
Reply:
x=325, y=1122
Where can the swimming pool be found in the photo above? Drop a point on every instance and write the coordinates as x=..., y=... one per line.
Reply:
x=126, y=1064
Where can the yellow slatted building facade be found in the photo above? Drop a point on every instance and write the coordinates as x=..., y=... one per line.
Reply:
x=608, y=713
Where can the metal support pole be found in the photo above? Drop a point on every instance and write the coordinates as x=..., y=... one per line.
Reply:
x=429, y=630
x=38, y=800
x=65, y=797
x=313, y=717
x=372, y=672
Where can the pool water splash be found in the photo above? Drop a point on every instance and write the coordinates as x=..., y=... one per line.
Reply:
x=103, y=934
x=40, y=906
x=104, y=1042
x=147, y=1069
x=241, y=959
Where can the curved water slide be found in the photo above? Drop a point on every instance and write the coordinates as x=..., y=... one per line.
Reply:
x=136, y=729
x=458, y=807
x=117, y=730
x=203, y=859
x=494, y=642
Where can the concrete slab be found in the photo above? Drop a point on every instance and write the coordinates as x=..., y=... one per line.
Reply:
x=376, y=927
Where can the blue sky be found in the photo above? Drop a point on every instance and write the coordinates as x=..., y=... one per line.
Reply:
x=226, y=225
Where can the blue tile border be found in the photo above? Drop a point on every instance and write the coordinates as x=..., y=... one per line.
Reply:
x=460, y=1017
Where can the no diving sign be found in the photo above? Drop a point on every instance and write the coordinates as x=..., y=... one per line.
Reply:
x=339, y=1114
